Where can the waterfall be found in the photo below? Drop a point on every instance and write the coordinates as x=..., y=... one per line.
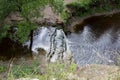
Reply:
x=53, y=41
x=86, y=47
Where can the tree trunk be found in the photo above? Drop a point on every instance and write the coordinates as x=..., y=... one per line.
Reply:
x=31, y=42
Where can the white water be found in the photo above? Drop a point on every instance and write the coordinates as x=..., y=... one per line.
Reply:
x=88, y=49
x=85, y=47
x=52, y=40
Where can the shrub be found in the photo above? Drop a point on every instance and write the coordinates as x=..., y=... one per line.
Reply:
x=86, y=7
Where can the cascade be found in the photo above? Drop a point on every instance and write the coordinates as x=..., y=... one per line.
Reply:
x=53, y=41
x=91, y=45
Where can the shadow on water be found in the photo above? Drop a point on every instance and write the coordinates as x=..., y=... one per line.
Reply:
x=10, y=49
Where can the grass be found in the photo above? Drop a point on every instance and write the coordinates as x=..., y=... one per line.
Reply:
x=30, y=69
x=2, y=68
x=55, y=71
x=115, y=76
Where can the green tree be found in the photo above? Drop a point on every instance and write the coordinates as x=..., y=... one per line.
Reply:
x=28, y=9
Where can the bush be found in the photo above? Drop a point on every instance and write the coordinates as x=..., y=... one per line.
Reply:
x=4, y=31
x=86, y=7
x=23, y=32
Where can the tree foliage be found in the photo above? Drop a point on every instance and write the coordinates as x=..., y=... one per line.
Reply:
x=3, y=31
x=28, y=9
